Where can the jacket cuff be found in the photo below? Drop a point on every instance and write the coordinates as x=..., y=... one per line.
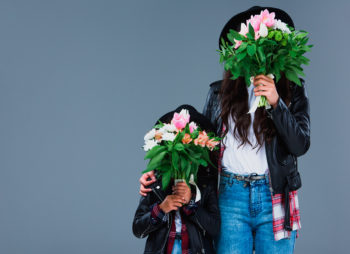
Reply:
x=157, y=215
x=192, y=206
x=280, y=107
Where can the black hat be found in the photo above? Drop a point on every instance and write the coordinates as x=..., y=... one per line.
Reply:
x=235, y=22
x=202, y=121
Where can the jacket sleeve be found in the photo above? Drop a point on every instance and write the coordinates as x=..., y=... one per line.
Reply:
x=210, y=109
x=293, y=128
x=207, y=217
x=147, y=218
x=207, y=109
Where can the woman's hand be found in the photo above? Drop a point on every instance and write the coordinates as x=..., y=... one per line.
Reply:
x=181, y=189
x=171, y=202
x=268, y=89
x=144, y=182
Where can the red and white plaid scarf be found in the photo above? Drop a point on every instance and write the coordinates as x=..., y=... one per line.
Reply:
x=277, y=206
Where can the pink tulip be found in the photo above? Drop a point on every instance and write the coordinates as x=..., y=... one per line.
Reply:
x=255, y=22
x=193, y=126
x=267, y=18
x=180, y=119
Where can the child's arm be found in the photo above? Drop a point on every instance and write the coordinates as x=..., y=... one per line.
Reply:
x=145, y=219
x=149, y=218
x=192, y=205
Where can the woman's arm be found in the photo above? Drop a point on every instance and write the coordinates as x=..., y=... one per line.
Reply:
x=145, y=182
x=294, y=128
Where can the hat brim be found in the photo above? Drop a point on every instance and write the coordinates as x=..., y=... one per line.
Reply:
x=202, y=121
x=235, y=22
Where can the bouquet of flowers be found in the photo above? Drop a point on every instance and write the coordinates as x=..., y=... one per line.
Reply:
x=265, y=45
x=177, y=149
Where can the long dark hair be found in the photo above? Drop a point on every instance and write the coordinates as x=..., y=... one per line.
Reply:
x=234, y=102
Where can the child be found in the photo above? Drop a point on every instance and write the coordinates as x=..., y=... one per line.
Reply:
x=181, y=219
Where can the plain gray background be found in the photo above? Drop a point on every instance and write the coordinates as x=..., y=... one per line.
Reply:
x=82, y=81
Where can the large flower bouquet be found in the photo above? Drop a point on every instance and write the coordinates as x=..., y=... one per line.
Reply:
x=266, y=46
x=177, y=149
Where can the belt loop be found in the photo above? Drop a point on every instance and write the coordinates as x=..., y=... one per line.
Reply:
x=231, y=179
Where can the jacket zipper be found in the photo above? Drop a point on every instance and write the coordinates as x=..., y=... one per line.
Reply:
x=202, y=228
x=143, y=233
x=169, y=220
x=167, y=235
x=200, y=236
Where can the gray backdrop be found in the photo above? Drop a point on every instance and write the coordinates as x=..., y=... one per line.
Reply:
x=82, y=81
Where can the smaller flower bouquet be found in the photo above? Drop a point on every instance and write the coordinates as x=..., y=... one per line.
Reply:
x=267, y=46
x=176, y=150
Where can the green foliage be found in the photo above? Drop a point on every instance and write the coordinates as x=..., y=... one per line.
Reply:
x=277, y=52
x=177, y=160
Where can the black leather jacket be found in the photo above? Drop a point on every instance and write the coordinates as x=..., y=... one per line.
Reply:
x=293, y=139
x=202, y=225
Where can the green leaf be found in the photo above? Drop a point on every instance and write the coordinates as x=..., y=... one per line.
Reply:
x=179, y=147
x=241, y=55
x=166, y=177
x=292, y=76
x=251, y=31
x=203, y=162
x=242, y=47
x=154, y=151
x=188, y=170
x=156, y=160
x=175, y=159
x=251, y=49
x=236, y=35
x=261, y=54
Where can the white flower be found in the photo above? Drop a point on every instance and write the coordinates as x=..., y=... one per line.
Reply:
x=149, y=135
x=263, y=30
x=244, y=29
x=149, y=144
x=281, y=26
x=168, y=128
x=168, y=136
x=184, y=112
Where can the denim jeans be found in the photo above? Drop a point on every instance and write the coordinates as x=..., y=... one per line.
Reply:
x=246, y=219
x=177, y=249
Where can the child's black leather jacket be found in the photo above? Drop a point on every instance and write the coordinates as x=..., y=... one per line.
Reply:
x=202, y=225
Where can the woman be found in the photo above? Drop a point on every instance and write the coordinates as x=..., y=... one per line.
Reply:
x=258, y=172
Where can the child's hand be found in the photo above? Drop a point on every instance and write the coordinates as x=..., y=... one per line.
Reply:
x=183, y=191
x=171, y=202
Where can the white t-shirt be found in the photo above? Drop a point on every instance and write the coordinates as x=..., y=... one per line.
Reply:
x=244, y=160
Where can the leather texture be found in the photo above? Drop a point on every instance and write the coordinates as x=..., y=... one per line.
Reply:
x=202, y=225
x=292, y=123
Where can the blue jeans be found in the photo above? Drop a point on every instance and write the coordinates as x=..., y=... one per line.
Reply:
x=246, y=219
x=177, y=249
